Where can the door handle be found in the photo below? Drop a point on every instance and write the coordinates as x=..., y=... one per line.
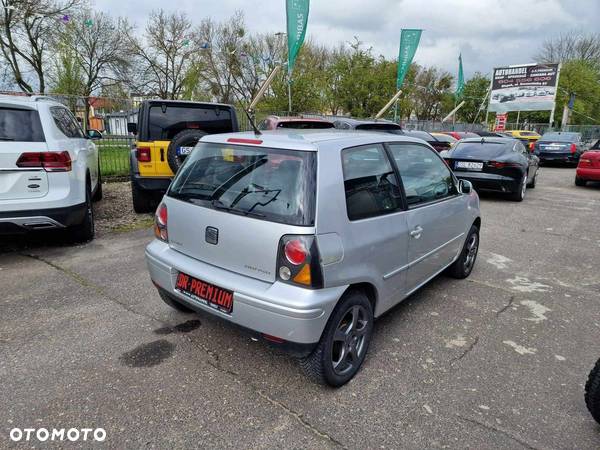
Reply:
x=416, y=233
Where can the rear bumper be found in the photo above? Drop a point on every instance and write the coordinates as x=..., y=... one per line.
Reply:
x=558, y=157
x=489, y=182
x=587, y=173
x=294, y=314
x=41, y=219
x=156, y=184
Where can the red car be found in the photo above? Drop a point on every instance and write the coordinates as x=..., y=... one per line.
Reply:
x=276, y=122
x=588, y=168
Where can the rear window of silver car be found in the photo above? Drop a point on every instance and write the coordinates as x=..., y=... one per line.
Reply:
x=271, y=184
x=22, y=125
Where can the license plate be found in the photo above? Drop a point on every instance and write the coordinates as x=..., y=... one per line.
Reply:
x=206, y=293
x=469, y=165
x=184, y=150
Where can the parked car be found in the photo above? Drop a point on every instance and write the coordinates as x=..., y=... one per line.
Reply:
x=592, y=392
x=166, y=132
x=49, y=169
x=527, y=137
x=307, y=258
x=381, y=125
x=445, y=138
x=559, y=146
x=460, y=134
x=302, y=123
x=439, y=144
x=588, y=168
x=488, y=134
x=495, y=164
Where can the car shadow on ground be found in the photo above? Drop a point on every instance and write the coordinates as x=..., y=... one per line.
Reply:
x=37, y=240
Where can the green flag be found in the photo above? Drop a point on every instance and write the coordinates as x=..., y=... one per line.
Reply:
x=409, y=41
x=460, y=83
x=297, y=18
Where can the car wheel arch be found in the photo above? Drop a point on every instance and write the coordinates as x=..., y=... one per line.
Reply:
x=366, y=288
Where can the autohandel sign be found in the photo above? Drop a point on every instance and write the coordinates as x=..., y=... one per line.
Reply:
x=530, y=87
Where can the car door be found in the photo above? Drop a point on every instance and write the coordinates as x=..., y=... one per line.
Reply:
x=532, y=161
x=436, y=211
x=376, y=238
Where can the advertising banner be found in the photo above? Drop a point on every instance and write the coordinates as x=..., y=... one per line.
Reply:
x=409, y=41
x=530, y=87
x=500, y=124
x=297, y=18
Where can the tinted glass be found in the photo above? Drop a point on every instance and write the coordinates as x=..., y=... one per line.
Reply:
x=276, y=185
x=529, y=133
x=444, y=138
x=424, y=175
x=384, y=127
x=167, y=120
x=305, y=125
x=370, y=183
x=420, y=134
x=20, y=125
x=65, y=122
x=560, y=137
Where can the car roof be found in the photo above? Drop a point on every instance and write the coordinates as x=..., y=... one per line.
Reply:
x=308, y=140
x=32, y=100
x=298, y=119
x=491, y=139
x=354, y=121
x=184, y=102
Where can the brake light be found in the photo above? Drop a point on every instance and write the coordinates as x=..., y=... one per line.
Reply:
x=143, y=154
x=298, y=261
x=160, y=223
x=244, y=141
x=502, y=165
x=573, y=148
x=295, y=252
x=584, y=162
x=49, y=161
x=531, y=146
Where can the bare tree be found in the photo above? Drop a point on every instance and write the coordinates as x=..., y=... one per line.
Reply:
x=26, y=28
x=431, y=84
x=101, y=50
x=569, y=46
x=166, y=54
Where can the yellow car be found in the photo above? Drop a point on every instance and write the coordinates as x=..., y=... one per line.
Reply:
x=527, y=137
x=166, y=132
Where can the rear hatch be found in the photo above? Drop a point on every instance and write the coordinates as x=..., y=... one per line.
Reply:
x=554, y=147
x=229, y=205
x=476, y=156
x=591, y=158
x=20, y=132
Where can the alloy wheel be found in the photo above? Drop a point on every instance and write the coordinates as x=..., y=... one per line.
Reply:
x=471, y=252
x=349, y=340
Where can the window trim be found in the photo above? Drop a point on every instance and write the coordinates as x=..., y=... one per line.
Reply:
x=401, y=198
x=399, y=175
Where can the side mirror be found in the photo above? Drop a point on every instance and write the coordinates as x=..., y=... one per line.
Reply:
x=132, y=127
x=465, y=187
x=94, y=134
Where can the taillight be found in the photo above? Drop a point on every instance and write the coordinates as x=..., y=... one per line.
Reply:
x=160, y=223
x=49, y=161
x=531, y=146
x=573, y=148
x=298, y=261
x=143, y=154
x=502, y=165
x=585, y=162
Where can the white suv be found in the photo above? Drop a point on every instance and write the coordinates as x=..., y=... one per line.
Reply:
x=49, y=169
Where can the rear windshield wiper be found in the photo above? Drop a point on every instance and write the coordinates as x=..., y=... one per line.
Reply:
x=218, y=204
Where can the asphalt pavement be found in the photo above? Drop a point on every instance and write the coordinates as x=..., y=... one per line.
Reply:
x=498, y=360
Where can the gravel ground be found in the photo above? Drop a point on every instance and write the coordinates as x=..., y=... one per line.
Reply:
x=115, y=211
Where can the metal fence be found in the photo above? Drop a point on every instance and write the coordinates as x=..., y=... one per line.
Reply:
x=114, y=155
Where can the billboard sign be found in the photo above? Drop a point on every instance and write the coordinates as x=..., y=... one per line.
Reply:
x=529, y=87
x=500, y=124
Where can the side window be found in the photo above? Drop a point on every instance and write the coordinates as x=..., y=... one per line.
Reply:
x=424, y=175
x=370, y=183
x=65, y=122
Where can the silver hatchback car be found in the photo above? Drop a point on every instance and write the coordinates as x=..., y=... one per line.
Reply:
x=306, y=237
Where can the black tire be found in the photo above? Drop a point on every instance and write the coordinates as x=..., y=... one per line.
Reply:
x=143, y=201
x=519, y=194
x=84, y=232
x=592, y=392
x=463, y=266
x=580, y=181
x=173, y=303
x=98, y=194
x=185, y=138
x=319, y=365
x=534, y=181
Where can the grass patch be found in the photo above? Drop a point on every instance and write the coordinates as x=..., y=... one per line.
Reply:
x=138, y=224
x=114, y=159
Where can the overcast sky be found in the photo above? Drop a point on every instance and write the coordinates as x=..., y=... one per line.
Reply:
x=488, y=32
